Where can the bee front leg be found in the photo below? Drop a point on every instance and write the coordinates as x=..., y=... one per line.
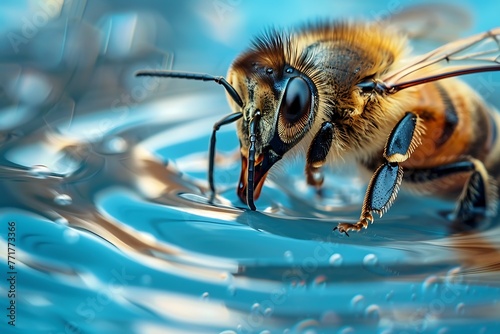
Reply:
x=384, y=184
x=317, y=153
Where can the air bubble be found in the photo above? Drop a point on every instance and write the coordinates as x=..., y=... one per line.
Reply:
x=336, y=260
x=370, y=260
x=205, y=296
x=268, y=311
x=63, y=199
x=39, y=171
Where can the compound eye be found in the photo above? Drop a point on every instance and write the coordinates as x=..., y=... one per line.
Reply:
x=295, y=109
x=297, y=100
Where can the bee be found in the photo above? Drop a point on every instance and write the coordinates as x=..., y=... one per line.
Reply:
x=350, y=91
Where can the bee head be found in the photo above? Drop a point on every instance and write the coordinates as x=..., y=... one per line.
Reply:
x=284, y=97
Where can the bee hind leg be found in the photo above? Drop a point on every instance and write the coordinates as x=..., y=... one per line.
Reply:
x=480, y=193
x=477, y=199
x=384, y=184
x=479, y=196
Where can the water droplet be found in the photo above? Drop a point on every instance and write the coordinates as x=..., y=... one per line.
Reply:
x=347, y=330
x=310, y=331
x=330, y=318
x=228, y=332
x=320, y=280
x=39, y=171
x=373, y=312
x=146, y=279
x=370, y=260
x=358, y=302
x=205, y=296
x=306, y=326
x=71, y=236
x=61, y=221
x=231, y=290
x=63, y=199
x=444, y=330
x=460, y=308
x=255, y=307
x=37, y=300
x=226, y=276
x=288, y=256
x=336, y=260
x=115, y=145
x=265, y=331
x=389, y=295
x=430, y=284
x=454, y=276
x=268, y=311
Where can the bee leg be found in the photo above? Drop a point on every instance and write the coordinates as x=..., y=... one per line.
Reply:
x=211, y=156
x=479, y=195
x=384, y=184
x=380, y=194
x=317, y=153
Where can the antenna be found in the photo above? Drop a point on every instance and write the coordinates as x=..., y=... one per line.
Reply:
x=194, y=76
x=225, y=120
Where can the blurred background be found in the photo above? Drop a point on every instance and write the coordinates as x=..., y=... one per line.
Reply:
x=104, y=176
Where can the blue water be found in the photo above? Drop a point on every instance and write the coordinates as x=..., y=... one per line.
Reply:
x=103, y=184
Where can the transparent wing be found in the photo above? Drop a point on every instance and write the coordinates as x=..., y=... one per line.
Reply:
x=436, y=22
x=478, y=53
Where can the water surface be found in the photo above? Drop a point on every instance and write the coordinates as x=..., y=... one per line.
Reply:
x=104, y=176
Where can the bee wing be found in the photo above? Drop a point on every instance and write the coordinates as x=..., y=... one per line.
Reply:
x=435, y=22
x=478, y=53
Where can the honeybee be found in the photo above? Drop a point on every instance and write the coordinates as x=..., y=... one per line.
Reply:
x=349, y=91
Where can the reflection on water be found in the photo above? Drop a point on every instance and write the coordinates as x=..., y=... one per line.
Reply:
x=107, y=187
